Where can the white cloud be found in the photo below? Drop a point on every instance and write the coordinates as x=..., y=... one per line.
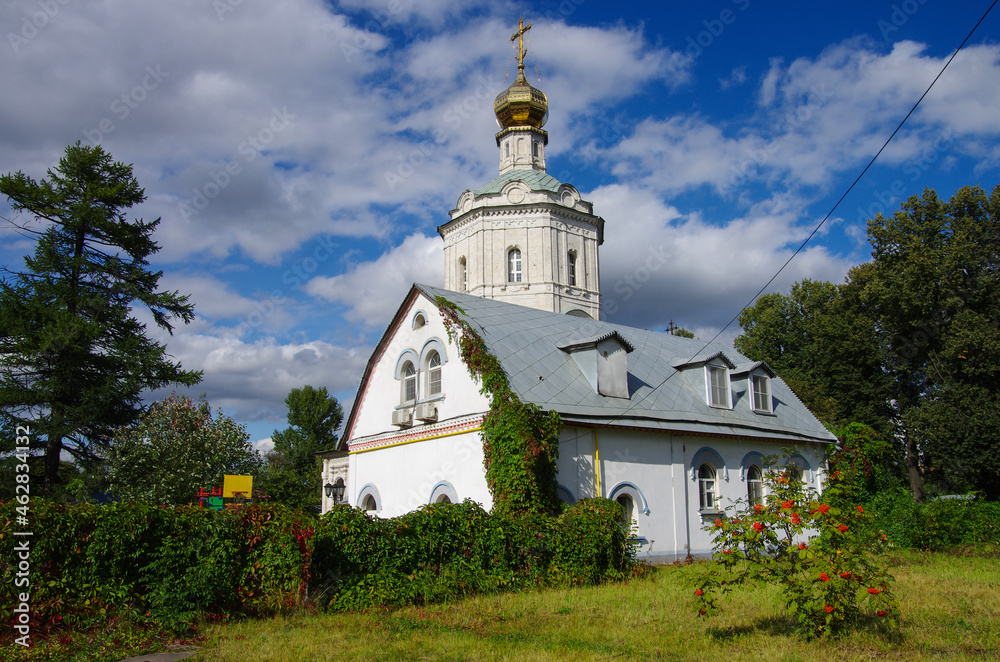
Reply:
x=249, y=381
x=697, y=273
x=372, y=290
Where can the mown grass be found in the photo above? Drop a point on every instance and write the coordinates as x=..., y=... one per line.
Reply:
x=950, y=611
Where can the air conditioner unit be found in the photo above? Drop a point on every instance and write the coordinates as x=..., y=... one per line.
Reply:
x=427, y=411
x=402, y=417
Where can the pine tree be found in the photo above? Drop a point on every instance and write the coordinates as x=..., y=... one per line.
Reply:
x=74, y=359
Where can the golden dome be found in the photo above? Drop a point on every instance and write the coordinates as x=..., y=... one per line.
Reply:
x=521, y=104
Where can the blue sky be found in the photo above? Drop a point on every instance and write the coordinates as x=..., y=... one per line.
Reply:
x=301, y=154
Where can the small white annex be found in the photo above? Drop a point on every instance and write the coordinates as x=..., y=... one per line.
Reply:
x=671, y=428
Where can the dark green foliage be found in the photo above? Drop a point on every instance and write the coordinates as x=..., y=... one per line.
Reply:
x=176, y=448
x=939, y=525
x=520, y=441
x=291, y=474
x=446, y=551
x=73, y=357
x=909, y=345
x=127, y=559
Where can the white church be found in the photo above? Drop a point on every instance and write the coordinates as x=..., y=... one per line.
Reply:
x=671, y=428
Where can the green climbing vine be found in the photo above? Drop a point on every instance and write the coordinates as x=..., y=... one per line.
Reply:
x=520, y=440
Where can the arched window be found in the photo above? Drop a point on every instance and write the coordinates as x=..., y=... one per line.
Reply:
x=368, y=503
x=755, y=485
x=514, y=266
x=506, y=148
x=708, y=496
x=571, y=268
x=462, y=274
x=443, y=499
x=409, y=383
x=534, y=148
x=628, y=506
x=433, y=374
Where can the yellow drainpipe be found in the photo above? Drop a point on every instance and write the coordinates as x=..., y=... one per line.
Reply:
x=597, y=462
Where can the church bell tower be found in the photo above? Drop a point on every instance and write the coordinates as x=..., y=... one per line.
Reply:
x=525, y=237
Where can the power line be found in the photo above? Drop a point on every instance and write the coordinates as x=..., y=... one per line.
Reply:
x=832, y=209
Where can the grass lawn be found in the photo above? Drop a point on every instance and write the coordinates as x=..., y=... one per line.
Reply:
x=950, y=605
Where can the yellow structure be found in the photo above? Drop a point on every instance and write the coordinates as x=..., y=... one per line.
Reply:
x=233, y=485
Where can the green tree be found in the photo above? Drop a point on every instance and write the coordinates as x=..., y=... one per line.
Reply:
x=909, y=345
x=73, y=357
x=817, y=339
x=175, y=448
x=934, y=291
x=292, y=474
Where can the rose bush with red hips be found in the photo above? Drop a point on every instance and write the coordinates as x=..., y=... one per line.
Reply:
x=833, y=575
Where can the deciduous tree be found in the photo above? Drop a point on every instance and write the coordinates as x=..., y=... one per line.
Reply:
x=175, y=448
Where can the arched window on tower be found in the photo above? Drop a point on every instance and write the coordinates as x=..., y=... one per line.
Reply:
x=571, y=268
x=534, y=148
x=514, y=266
x=506, y=148
x=462, y=275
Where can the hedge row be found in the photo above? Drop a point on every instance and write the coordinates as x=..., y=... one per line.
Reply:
x=443, y=551
x=938, y=525
x=89, y=563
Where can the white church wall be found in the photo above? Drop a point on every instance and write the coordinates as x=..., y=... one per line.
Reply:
x=658, y=471
x=405, y=476
x=459, y=393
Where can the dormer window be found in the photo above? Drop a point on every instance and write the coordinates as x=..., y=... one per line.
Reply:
x=761, y=393
x=602, y=361
x=717, y=380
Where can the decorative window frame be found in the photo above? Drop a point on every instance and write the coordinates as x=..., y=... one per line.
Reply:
x=443, y=488
x=631, y=489
x=419, y=320
x=372, y=491
x=432, y=345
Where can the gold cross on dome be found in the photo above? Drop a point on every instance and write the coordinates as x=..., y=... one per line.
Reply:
x=519, y=35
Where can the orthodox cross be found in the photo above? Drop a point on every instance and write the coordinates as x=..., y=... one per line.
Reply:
x=519, y=35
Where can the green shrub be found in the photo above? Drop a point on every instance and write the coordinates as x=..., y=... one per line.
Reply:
x=88, y=563
x=938, y=525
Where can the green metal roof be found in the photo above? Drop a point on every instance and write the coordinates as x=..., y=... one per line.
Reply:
x=536, y=181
